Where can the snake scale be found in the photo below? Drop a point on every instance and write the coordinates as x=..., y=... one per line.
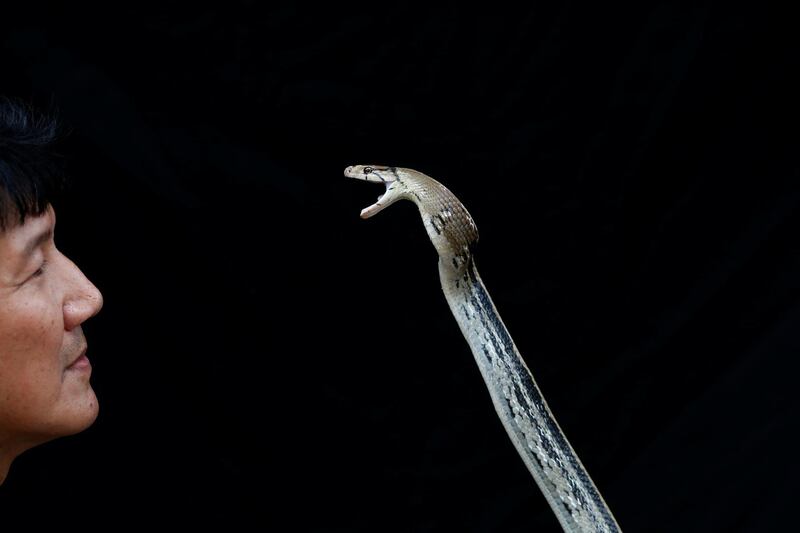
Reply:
x=520, y=405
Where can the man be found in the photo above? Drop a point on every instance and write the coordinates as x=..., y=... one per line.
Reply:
x=44, y=298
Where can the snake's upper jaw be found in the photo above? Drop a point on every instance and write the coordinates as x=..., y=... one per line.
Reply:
x=376, y=174
x=373, y=173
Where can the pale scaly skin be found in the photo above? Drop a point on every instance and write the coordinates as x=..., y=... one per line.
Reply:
x=520, y=405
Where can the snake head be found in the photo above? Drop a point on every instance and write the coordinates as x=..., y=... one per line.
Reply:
x=447, y=222
x=389, y=176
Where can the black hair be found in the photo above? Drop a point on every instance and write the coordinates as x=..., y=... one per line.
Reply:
x=31, y=172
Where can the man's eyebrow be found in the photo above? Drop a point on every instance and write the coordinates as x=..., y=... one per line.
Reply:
x=40, y=239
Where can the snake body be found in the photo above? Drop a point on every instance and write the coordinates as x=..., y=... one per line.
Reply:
x=520, y=405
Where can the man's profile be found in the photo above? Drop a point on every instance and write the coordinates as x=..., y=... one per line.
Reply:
x=44, y=298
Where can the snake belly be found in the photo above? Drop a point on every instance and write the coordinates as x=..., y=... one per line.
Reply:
x=519, y=403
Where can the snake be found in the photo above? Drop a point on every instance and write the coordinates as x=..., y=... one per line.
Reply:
x=526, y=417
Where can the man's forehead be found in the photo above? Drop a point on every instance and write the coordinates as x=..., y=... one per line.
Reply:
x=23, y=237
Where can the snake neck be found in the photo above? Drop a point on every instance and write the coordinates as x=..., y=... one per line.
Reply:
x=520, y=405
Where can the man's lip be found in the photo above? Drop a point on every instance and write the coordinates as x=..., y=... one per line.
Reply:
x=80, y=356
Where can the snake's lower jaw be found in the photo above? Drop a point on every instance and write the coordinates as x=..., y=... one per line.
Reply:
x=382, y=203
x=371, y=210
x=374, y=208
x=385, y=200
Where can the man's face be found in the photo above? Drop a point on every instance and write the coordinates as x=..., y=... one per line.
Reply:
x=44, y=374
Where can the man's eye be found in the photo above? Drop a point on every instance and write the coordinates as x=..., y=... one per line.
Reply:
x=39, y=271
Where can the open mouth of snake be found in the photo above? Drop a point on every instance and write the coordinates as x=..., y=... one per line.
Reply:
x=373, y=175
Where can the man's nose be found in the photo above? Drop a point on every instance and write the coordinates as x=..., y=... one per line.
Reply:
x=82, y=300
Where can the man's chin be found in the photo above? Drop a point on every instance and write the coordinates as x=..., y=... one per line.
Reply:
x=80, y=414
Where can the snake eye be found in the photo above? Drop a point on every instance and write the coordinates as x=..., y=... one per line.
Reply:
x=368, y=170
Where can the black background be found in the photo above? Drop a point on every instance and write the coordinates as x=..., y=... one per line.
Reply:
x=265, y=357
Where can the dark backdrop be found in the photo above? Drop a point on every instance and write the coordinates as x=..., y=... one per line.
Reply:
x=265, y=357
